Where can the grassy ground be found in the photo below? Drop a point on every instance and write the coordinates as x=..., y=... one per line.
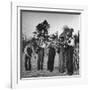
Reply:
x=35, y=73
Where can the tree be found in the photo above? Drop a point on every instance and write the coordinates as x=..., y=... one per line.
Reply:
x=54, y=36
x=42, y=30
x=76, y=37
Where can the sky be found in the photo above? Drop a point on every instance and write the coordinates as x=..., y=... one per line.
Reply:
x=56, y=20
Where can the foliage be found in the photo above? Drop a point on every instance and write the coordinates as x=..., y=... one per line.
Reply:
x=42, y=30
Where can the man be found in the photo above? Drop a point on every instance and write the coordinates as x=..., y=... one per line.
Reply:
x=61, y=56
x=69, y=53
x=28, y=53
x=41, y=55
x=51, y=57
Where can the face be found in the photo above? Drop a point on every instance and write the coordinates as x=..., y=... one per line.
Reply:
x=62, y=39
x=36, y=49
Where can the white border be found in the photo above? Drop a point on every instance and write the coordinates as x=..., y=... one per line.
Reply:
x=15, y=80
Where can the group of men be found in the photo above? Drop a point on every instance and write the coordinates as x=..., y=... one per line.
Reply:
x=65, y=53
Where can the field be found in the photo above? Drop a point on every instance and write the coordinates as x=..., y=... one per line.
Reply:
x=42, y=73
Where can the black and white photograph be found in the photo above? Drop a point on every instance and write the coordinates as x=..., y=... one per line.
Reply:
x=49, y=44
